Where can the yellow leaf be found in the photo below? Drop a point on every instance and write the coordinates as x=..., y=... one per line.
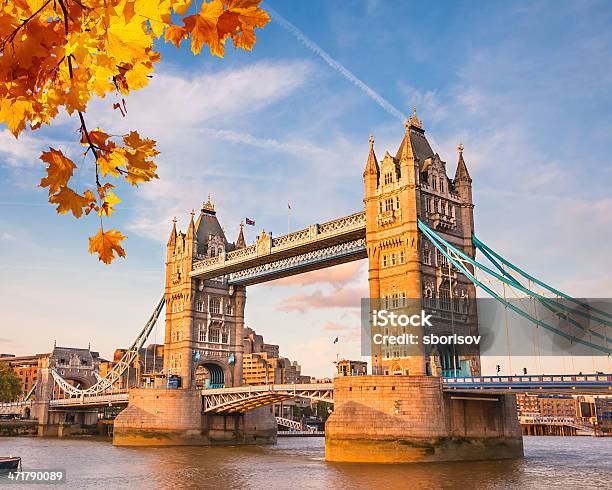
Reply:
x=68, y=200
x=14, y=113
x=109, y=202
x=59, y=170
x=106, y=244
x=109, y=161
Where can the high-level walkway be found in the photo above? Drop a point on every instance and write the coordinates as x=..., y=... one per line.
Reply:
x=318, y=246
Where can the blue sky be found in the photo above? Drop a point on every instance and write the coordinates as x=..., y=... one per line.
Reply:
x=525, y=87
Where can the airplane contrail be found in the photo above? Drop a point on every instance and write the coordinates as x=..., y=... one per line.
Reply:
x=315, y=48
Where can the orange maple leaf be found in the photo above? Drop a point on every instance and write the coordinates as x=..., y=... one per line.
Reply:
x=203, y=28
x=68, y=200
x=106, y=244
x=59, y=171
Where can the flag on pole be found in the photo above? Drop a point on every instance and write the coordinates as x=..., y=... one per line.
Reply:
x=288, y=205
x=336, y=340
x=249, y=221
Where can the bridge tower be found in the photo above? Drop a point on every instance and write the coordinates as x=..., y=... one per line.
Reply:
x=401, y=413
x=403, y=269
x=204, y=318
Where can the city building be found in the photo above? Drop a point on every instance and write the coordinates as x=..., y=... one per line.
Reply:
x=64, y=360
x=549, y=405
x=149, y=362
x=347, y=367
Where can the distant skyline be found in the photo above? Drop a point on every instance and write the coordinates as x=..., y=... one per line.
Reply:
x=525, y=88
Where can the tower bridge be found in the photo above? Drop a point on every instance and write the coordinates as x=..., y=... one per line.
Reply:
x=417, y=234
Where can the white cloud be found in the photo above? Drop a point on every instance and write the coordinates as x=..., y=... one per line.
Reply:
x=22, y=152
x=175, y=102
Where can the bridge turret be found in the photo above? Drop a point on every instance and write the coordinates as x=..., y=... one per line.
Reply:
x=371, y=174
x=463, y=187
x=240, y=242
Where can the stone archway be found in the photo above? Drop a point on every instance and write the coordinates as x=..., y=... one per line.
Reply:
x=209, y=375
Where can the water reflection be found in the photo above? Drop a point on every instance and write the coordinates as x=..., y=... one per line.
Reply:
x=583, y=462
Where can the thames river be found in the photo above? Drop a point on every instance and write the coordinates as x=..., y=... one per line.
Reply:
x=565, y=462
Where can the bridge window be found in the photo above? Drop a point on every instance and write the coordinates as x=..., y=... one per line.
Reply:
x=389, y=204
x=380, y=207
x=402, y=257
x=225, y=336
x=215, y=305
x=200, y=306
x=427, y=257
x=384, y=261
x=393, y=259
x=229, y=308
x=214, y=335
x=397, y=202
x=201, y=332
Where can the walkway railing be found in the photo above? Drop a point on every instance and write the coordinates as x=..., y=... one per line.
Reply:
x=581, y=383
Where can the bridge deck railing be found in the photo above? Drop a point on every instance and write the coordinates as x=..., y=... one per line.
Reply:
x=531, y=379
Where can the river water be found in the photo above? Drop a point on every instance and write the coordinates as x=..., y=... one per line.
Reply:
x=566, y=462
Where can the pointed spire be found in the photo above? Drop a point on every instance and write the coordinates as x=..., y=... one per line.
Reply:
x=241, y=243
x=371, y=163
x=172, y=239
x=191, y=227
x=405, y=151
x=462, y=173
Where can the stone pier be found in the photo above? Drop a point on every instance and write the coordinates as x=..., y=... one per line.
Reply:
x=401, y=419
x=173, y=417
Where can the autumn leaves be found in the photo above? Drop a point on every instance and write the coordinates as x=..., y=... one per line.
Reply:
x=59, y=54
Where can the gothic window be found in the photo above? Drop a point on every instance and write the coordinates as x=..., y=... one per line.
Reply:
x=402, y=257
x=215, y=305
x=225, y=336
x=388, y=177
x=403, y=299
x=200, y=306
x=397, y=202
x=384, y=261
x=389, y=204
x=427, y=256
x=392, y=259
x=434, y=183
x=441, y=184
x=229, y=309
x=452, y=211
x=214, y=335
x=380, y=207
x=213, y=251
x=201, y=332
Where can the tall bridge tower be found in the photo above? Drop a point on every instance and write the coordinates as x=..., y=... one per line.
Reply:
x=204, y=317
x=403, y=268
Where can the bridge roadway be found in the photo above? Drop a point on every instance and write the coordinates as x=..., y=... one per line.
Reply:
x=320, y=245
x=243, y=398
